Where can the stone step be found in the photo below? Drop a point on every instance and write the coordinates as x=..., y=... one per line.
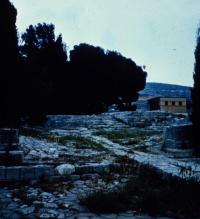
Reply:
x=11, y=157
x=9, y=136
x=25, y=173
x=179, y=153
x=13, y=147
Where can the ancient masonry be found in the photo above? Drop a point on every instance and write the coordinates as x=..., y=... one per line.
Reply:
x=75, y=171
x=13, y=168
x=11, y=160
x=178, y=140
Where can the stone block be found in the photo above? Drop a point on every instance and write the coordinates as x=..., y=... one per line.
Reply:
x=140, y=124
x=102, y=168
x=3, y=157
x=28, y=173
x=9, y=136
x=43, y=170
x=13, y=173
x=75, y=177
x=84, y=169
x=65, y=169
x=93, y=168
x=90, y=176
x=2, y=173
x=178, y=136
x=170, y=143
x=3, y=147
x=16, y=157
x=179, y=153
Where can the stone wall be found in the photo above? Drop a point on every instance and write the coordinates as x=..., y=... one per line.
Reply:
x=9, y=138
x=178, y=137
x=25, y=173
x=175, y=105
x=9, y=147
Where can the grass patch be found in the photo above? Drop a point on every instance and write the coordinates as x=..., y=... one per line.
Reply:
x=125, y=159
x=122, y=166
x=142, y=149
x=134, y=136
x=147, y=192
x=60, y=186
x=79, y=142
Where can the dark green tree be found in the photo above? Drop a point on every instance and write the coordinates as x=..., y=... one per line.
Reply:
x=196, y=96
x=9, y=60
x=105, y=78
x=39, y=43
x=45, y=57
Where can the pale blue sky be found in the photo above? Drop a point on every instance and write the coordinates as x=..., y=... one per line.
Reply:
x=160, y=34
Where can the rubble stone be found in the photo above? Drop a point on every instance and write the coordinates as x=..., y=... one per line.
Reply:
x=43, y=170
x=2, y=173
x=65, y=169
x=27, y=173
x=16, y=157
x=13, y=173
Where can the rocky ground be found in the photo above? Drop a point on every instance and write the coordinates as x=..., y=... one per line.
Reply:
x=90, y=147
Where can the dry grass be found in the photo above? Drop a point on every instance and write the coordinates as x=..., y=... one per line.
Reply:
x=146, y=191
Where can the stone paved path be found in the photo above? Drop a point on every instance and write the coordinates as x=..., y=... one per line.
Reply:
x=183, y=169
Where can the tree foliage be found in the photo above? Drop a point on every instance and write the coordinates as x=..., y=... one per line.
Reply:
x=92, y=80
x=9, y=60
x=44, y=56
x=39, y=44
x=196, y=95
x=37, y=79
x=106, y=77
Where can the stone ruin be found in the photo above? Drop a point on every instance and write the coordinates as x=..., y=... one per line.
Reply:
x=157, y=119
x=12, y=165
x=9, y=147
x=178, y=140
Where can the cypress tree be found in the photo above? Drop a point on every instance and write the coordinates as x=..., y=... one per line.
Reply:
x=196, y=96
x=8, y=64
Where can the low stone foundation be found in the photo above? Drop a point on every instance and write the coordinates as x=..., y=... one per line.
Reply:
x=178, y=140
x=9, y=139
x=25, y=173
x=9, y=147
x=144, y=119
x=11, y=157
x=178, y=137
x=93, y=168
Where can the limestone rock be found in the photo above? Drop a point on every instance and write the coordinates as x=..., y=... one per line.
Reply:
x=65, y=169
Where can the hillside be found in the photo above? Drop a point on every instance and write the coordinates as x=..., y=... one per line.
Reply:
x=166, y=90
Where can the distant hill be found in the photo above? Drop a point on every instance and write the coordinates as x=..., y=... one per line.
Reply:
x=166, y=90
